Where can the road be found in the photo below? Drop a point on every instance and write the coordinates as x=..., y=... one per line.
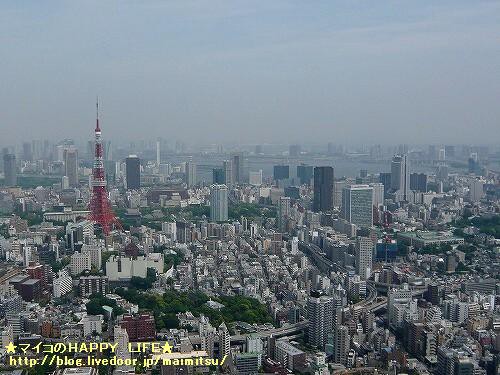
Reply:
x=278, y=332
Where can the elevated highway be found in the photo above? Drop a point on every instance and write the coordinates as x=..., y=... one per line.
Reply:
x=292, y=329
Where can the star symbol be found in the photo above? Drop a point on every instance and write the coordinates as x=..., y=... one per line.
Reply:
x=11, y=348
x=167, y=348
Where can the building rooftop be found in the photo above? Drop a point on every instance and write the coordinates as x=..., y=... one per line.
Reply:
x=31, y=282
x=289, y=348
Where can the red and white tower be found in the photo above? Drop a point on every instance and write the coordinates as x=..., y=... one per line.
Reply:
x=100, y=207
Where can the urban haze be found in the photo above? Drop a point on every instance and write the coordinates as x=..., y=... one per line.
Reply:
x=249, y=187
x=237, y=72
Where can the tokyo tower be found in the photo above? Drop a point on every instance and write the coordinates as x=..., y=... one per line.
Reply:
x=100, y=206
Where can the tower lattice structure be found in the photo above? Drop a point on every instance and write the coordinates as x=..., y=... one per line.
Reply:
x=100, y=206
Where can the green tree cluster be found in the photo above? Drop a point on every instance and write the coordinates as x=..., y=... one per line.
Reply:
x=96, y=303
x=251, y=210
x=166, y=306
x=142, y=283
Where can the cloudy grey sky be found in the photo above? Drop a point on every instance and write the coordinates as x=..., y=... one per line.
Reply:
x=252, y=71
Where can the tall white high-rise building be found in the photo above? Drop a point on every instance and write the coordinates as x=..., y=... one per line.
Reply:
x=442, y=154
x=170, y=229
x=224, y=340
x=476, y=189
x=13, y=307
x=378, y=194
x=283, y=212
x=120, y=336
x=400, y=177
x=158, y=152
x=227, y=166
x=64, y=182
x=254, y=345
x=364, y=257
x=357, y=205
x=218, y=203
x=342, y=341
x=320, y=312
x=63, y=284
x=95, y=253
x=7, y=336
x=338, y=187
x=401, y=306
x=190, y=174
x=71, y=165
x=207, y=335
x=80, y=262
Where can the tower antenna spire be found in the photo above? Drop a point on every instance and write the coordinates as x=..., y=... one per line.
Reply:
x=97, y=114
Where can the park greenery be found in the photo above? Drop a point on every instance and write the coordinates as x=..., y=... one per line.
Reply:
x=173, y=259
x=146, y=283
x=487, y=224
x=166, y=306
x=31, y=182
x=31, y=217
x=193, y=212
x=434, y=249
x=59, y=265
x=250, y=210
x=96, y=303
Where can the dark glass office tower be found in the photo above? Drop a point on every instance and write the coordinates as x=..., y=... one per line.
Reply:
x=133, y=172
x=323, y=189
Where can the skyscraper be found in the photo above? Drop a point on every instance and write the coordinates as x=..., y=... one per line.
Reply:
x=27, y=153
x=190, y=174
x=305, y=173
x=283, y=212
x=71, y=166
x=158, y=152
x=476, y=189
x=442, y=154
x=323, y=189
x=320, y=311
x=133, y=172
x=400, y=177
x=10, y=170
x=418, y=182
x=357, y=205
x=378, y=193
x=224, y=341
x=218, y=203
x=237, y=168
x=338, y=186
x=281, y=172
x=227, y=166
x=364, y=255
x=218, y=176
x=385, y=179
x=342, y=341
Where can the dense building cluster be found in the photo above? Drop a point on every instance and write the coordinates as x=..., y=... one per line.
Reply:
x=268, y=258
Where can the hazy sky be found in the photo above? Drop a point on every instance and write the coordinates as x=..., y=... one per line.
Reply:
x=252, y=71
